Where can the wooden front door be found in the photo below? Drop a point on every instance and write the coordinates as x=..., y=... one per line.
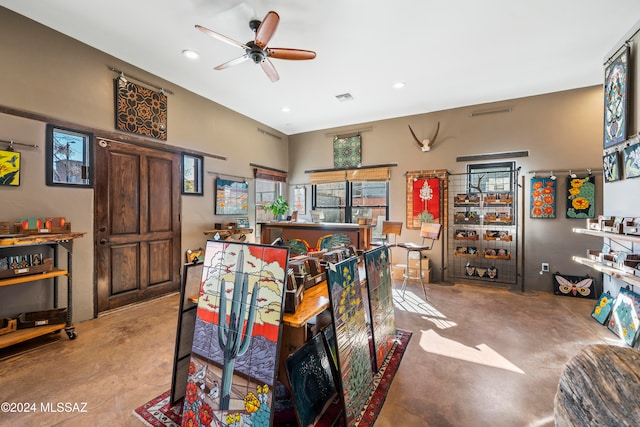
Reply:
x=137, y=223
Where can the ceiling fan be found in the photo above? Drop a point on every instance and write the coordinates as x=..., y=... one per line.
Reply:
x=257, y=49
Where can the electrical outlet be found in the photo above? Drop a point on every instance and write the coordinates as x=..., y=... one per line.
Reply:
x=545, y=266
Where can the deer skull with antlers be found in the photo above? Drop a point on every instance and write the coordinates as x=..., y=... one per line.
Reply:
x=425, y=144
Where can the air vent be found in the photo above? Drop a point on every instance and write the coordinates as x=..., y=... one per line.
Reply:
x=344, y=97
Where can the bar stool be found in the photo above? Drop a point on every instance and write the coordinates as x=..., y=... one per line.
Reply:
x=390, y=228
x=430, y=232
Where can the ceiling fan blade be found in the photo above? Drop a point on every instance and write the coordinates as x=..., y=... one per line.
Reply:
x=269, y=70
x=266, y=29
x=220, y=37
x=284, y=53
x=232, y=62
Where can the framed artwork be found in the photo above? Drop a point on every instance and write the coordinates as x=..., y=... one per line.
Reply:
x=191, y=275
x=347, y=152
x=380, y=290
x=574, y=286
x=426, y=201
x=611, y=167
x=232, y=197
x=603, y=308
x=352, y=336
x=300, y=200
x=9, y=167
x=139, y=110
x=616, y=92
x=581, y=197
x=543, y=198
x=234, y=357
x=624, y=321
x=69, y=157
x=631, y=161
x=192, y=167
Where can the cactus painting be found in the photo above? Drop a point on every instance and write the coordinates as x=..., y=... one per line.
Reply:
x=236, y=335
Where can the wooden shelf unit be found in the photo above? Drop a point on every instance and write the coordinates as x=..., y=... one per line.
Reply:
x=52, y=240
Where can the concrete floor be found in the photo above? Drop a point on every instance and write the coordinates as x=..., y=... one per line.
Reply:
x=479, y=356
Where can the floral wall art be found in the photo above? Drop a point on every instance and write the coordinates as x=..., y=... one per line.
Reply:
x=543, y=198
x=581, y=197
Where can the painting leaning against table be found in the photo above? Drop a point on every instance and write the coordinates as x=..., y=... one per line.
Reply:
x=232, y=372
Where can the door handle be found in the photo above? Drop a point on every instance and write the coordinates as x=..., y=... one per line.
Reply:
x=103, y=241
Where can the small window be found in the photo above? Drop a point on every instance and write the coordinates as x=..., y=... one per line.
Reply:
x=69, y=157
x=491, y=177
x=192, y=174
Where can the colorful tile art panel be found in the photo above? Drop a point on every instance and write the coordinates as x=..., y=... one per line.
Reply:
x=352, y=336
x=9, y=167
x=232, y=197
x=624, y=320
x=611, y=167
x=581, y=197
x=380, y=289
x=347, y=152
x=631, y=157
x=140, y=110
x=616, y=87
x=543, y=198
x=603, y=308
x=426, y=200
x=232, y=371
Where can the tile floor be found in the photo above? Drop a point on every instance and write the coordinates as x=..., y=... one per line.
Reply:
x=479, y=356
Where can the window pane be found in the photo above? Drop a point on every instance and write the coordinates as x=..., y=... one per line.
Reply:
x=491, y=177
x=69, y=157
x=332, y=215
x=266, y=192
x=369, y=193
x=331, y=195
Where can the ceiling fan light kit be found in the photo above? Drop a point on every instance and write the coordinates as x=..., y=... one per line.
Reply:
x=256, y=50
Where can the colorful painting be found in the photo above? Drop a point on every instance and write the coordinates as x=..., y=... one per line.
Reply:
x=574, y=286
x=311, y=379
x=352, y=336
x=426, y=201
x=581, y=197
x=232, y=371
x=140, y=110
x=624, y=321
x=232, y=197
x=603, y=308
x=347, y=152
x=631, y=156
x=9, y=168
x=380, y=290
x=543, y=198
x=611, y=167
x=616, y=87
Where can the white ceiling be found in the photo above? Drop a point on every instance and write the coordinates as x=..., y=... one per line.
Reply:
x=449, y=53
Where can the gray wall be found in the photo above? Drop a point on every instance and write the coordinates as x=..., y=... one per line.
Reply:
x=561, y=131
x=50, y=74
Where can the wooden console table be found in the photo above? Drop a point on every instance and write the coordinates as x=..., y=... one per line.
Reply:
x=359, y=234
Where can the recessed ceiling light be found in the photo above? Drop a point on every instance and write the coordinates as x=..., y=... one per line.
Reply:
x=191, y=54
x=398, y=85
x=286, y=109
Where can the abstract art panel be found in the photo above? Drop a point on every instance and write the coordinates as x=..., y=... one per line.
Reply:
x=624, y=321
x=380, y=289
x=611, y=167
x=9, y=168
x=232, y=372
x=581, y=197
x=631, y=161
x=352, y=336
x=603, y=308
x=347, y=152
x=232, y=197
x=140, y=110
x=543, y=198
x=616, y=88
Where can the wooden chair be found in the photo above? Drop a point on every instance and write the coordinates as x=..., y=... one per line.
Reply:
x=389, y=228
x=430, y=232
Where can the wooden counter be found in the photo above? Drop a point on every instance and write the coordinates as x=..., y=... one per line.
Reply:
x=359, y=234
x=314, y=302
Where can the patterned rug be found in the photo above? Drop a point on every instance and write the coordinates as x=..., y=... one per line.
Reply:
x=158, y=412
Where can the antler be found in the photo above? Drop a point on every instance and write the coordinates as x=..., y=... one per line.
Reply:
x=435, y=135
x=415, y=137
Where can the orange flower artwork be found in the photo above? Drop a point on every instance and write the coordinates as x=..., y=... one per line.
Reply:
x=543, y=198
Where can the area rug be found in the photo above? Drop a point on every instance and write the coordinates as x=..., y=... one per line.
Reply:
x=159, y=413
